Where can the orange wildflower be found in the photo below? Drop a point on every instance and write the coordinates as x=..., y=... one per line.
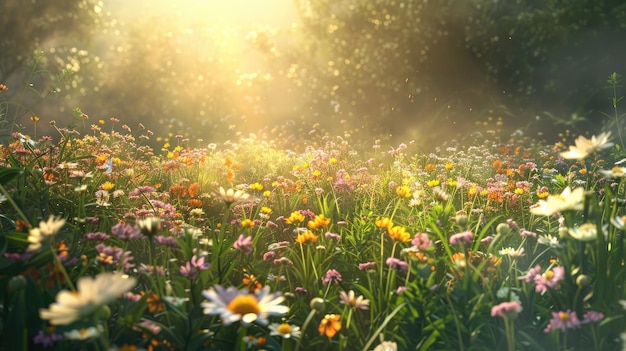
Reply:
x=251, y=281
x=21, y=225
x=154, y=303
x=194, y=190
x=330, y=325
x=178, y=190
x=62, y=250
x=195, y=203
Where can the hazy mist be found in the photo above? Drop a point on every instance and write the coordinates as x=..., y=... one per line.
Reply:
x=397, y=69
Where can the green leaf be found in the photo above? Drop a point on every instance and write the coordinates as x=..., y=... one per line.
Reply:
x=8, y=173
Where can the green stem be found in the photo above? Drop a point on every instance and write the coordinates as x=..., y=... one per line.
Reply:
x=304, y=326
x=12, y=202
x=456, y=324
x=241, y=336
x=510, y=333
x=382, y=326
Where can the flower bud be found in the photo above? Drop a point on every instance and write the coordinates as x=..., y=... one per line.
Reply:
x=583, y=280
x=318, y=304
x=150, y=226
x=461, y=220
x=503, y=229
x=17, y=282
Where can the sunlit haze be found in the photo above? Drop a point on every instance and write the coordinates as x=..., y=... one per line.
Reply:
x=216, y=70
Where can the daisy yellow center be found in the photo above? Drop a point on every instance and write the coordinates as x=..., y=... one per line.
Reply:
x=549, y=275
x=244, y=304
x=284, y=329
x=564, y=317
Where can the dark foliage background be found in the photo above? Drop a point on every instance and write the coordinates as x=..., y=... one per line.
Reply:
x=419, y=69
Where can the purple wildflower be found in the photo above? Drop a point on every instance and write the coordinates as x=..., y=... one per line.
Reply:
x=126, y=231
x=98, y=236
x=46, y=340
x=193, y=267
x=166, y=241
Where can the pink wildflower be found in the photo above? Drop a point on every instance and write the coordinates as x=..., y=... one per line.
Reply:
x=532, y=273
x=243, y=243
x=193, y=267
x=422, y=241
x=563, y=320
x=366, y=265
x=592, y=316
x=332, y=276
x=463, y=238
x=549, y=279
x=397, y=264
x=506, y=309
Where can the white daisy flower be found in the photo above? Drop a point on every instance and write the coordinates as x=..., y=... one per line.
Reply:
x=285, y=330
x=585, y=232
x=84, y=333
x=239, y=305
x=45, y=229
x=231, y=196
x=615, y=172
x=568, y=200
x=91, y=294
x=584, y=147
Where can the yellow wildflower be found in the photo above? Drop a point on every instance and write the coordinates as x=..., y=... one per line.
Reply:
x=295, y=216
x=433, y=183
x=319, y=221
x=256, y=186
x=107, y=186
x=399, y=233
x=247, y=223
x=306, y=237
x=404, y=191
x=384, y=223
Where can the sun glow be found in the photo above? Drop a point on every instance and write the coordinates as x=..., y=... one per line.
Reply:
x=212, y=55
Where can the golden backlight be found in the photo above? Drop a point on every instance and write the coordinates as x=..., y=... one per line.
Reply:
x=199, y=47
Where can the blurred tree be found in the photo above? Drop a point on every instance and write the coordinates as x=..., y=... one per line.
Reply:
x=28, y=25
x=388, y=65
x=441, y=66
x=554, y=55
x=43, y=44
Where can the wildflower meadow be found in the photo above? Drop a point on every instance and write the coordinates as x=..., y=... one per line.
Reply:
x=333, y=242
